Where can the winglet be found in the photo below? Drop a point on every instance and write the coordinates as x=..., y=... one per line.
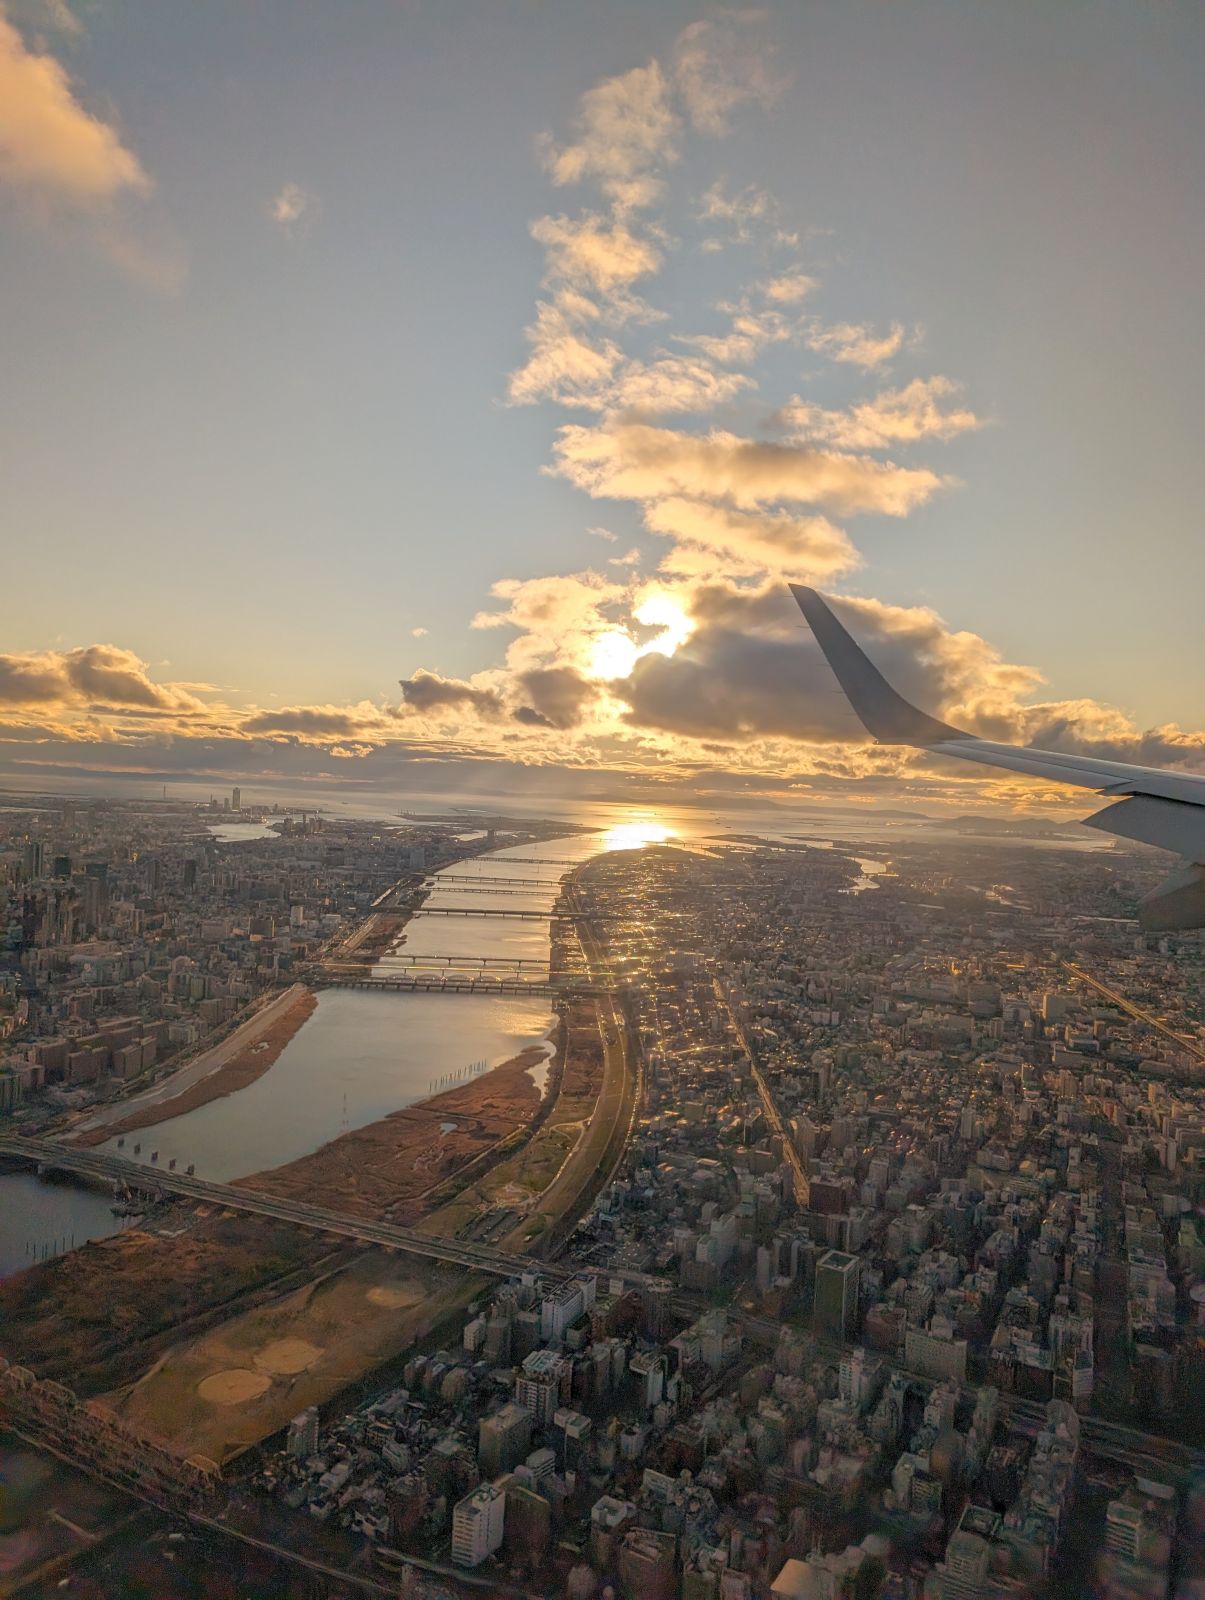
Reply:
x=884, y=713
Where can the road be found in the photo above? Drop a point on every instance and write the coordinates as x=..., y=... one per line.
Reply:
x=1119, y=1000
x=139, y=1175
x=597, y=1155
x=799, y=1178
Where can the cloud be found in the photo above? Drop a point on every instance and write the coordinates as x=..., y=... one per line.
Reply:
x=749, y=334
x=557, y=696
x=555, y=615
x=564, y=364
x=749, y=671
x=635, y=461
x=52, y=150
x=752, y=213
x=674, y=384
x=428, y=692
x=589, y=252
x=55, y=16
x=856, y=343
x=894, y=416
x=719, y=64
x=630, y=558
x=318, y=722
x=626, y=129
x=419, y=633
x=789, y=288
x=291, y=206
x=92, y=673
x=744, y=543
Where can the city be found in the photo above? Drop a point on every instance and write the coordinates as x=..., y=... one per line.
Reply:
x=880, y=1272
x=602, y=800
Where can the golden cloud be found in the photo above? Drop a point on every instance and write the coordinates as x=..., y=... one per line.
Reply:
x=51, y=148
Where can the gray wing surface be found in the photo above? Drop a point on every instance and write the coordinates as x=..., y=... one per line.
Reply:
x=1151, y=805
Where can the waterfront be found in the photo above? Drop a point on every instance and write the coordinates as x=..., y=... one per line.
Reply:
x=40, y=1219
x=363, y=1055
x=359, y=1057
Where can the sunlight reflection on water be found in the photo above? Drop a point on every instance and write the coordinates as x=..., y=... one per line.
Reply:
x=640, y=829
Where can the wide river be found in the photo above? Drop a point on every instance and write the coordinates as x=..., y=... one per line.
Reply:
x=363, y=1054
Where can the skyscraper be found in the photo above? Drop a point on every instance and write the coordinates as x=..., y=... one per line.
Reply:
x=477, y=1525
x=835, y=1314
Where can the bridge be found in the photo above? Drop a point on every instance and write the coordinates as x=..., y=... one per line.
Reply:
x=47, y=1153
x=406, y=958
x=1146, y=1452
x=516, y=914
x=452, y=876
x=471, y=983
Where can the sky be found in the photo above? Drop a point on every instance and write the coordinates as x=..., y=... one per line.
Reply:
x=426, y=395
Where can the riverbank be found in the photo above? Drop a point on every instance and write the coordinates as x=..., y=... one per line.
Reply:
x=388, y=1168
x=231, y=1065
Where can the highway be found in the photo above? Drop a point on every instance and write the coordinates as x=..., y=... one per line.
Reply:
x=619, y=1095
x=1119, y=1000
x=799, y=1178
x=139, y=1175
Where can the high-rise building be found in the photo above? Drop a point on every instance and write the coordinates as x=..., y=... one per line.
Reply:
x=35, y=853
x=236, y=799
x=477, y=1525
x=966, y=1569
x=935, y=1352
x=303, y=1433
x=543, y=1384
x=646, y=1564
x=503, y=1439
x=835, y=1314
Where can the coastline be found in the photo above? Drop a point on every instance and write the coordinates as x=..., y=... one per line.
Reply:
x=237, y=1062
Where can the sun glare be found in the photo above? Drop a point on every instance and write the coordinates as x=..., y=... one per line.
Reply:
x=640, y=829
x=665, y=612
x=612, y=655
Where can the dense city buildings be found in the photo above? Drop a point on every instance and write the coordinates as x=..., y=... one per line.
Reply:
x=892, y=1287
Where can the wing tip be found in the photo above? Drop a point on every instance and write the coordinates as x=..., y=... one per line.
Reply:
x=882, y=710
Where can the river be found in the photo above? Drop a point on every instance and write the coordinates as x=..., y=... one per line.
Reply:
x=362, y=1054
x=44, y=1219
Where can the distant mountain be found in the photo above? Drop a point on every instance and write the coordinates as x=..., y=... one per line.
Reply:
x=1018, y=827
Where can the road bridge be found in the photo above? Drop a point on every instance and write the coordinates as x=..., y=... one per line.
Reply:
x=404, y=958
x=524, y=861
x=468, y=983
x=463, y=887
x=48, y=1154
x=516, y=914
x=483, y=878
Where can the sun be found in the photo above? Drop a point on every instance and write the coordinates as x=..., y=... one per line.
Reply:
x=614, y=653
x=664, y=611
x=641, y=828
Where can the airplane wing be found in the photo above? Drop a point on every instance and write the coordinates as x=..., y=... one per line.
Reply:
x=1151, y=804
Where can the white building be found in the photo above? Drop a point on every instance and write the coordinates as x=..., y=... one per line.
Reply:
x=477, y=1524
